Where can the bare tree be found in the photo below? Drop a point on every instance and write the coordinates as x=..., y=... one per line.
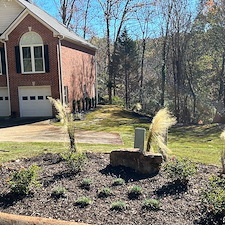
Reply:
x=144, y=17
x=66, y=11
x=116, y=13
x=86, y=17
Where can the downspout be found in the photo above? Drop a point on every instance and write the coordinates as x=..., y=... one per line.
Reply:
x=60, y=37
x=96, y=82
x=7, y=75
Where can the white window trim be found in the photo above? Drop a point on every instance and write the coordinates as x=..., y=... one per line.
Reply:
x=65, y=94
x=32, y=58
x=0, y=64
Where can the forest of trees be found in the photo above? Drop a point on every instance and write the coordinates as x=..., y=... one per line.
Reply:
x=156, y=52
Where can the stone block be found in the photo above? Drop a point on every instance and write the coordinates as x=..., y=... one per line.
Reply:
x=141, y=162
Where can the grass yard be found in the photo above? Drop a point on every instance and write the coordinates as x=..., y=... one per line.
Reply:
x=200, y=143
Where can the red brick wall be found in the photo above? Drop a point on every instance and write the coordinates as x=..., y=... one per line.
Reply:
x=42, y=79
x=3, y=82
x=78, y=70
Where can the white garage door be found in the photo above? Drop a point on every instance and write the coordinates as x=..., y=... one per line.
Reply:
x=4, y=102
x=34, y=102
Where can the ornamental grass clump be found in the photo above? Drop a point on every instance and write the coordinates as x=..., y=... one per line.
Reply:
x=135, y=192
x=58, y=192
x=118, y=206
x=158, y=130
x=23, y=181
x=151, y=204
x=180, y=170
x=104, y=192
x=67, y=120
x=83, y=201
x=118, y=182
x=213, y=197
x=86, y=183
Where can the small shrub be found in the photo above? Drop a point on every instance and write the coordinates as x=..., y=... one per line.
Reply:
x=22, y=181
x=151, y=204
x=118, y=206
x=75, y=161
x=118, y=182
x=180, y=170
x=83, y=201
x=86, y=183
x=104, y=192
x=213, y=197
x=58, y=192
x=135, y=192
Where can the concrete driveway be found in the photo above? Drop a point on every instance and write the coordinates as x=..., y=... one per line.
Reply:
x=41, y=130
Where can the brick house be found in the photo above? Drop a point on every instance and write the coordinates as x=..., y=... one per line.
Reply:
x=40, y=57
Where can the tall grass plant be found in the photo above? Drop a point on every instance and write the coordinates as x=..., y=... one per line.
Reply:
x=158, y=130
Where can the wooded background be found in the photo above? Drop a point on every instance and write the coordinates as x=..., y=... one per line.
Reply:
x=155, y=52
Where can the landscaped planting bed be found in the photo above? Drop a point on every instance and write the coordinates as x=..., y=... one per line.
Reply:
x=95, y=196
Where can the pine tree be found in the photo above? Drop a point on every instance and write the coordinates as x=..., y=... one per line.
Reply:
x=125, y=66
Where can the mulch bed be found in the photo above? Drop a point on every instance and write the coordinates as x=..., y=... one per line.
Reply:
x=179, y=205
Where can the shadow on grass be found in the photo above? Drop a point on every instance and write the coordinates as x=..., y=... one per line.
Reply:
x=10, y=199
x=200, y=131
x=128, y=174
x=171, y=188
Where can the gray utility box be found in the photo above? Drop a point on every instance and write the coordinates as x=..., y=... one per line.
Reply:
x=139, y=138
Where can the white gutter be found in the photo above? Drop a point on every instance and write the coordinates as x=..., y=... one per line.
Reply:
x=7, y=75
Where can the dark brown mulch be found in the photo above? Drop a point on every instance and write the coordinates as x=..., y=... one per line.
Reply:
x=179, y=205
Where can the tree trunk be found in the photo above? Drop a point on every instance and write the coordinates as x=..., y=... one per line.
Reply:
x=85, y=18
x=142, y=69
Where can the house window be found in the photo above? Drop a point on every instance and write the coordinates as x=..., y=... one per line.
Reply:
x=32, y=53
x=66, y=95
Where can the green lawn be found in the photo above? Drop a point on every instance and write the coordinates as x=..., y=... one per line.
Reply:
x=200, y=143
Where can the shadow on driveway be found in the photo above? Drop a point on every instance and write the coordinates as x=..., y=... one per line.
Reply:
x=12, y=122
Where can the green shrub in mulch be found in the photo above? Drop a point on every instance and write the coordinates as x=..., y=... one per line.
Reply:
x=104, y=192
x=180, y=170
x=135, y=192
x=213, y=197
x=58, y=192
x=23, y=181
x=118, y=206
x=83, y=201
x=118, y=182
x=151, y=204
x=86, y=183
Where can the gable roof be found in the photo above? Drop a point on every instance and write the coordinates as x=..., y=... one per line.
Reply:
x=54, y=24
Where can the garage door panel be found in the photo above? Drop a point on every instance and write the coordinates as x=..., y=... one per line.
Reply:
x=34, y=101
x=4, y=102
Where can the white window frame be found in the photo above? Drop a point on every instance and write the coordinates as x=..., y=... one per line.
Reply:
x=0, y=63
x=66, y=93
x=31, y=46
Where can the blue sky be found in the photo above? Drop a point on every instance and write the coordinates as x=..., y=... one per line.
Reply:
x=96, y=22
